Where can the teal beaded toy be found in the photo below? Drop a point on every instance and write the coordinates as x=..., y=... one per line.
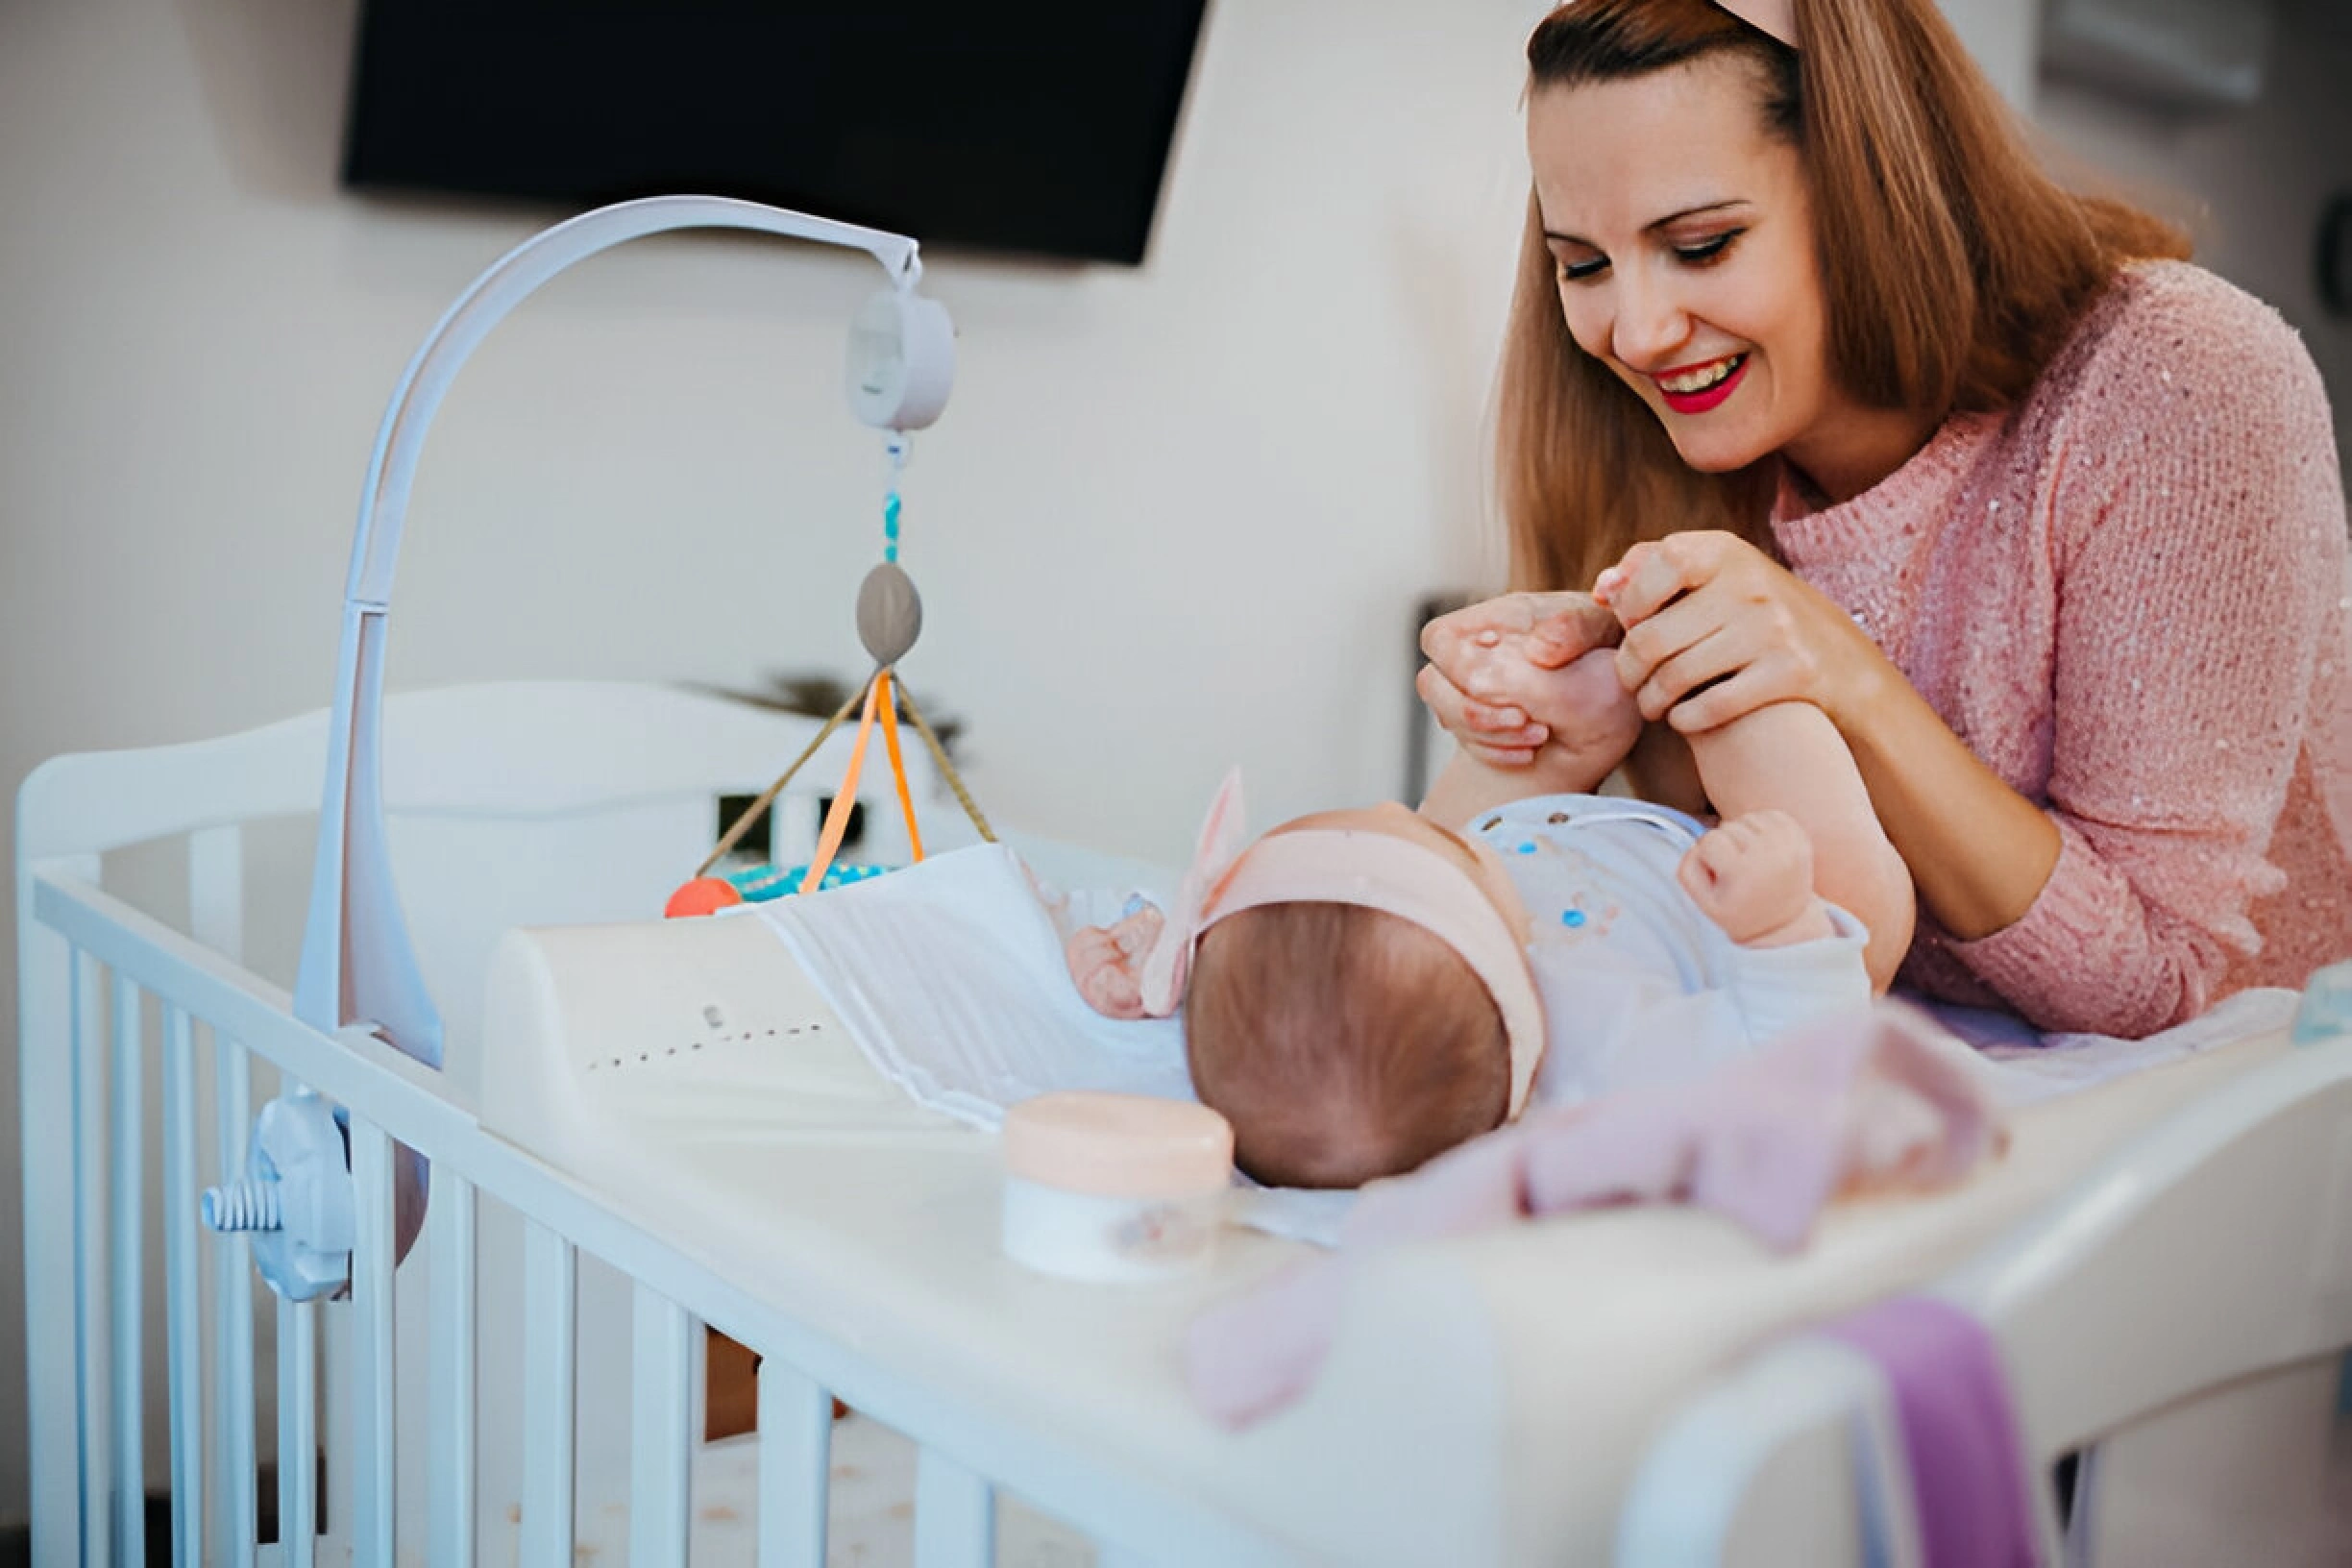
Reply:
x=758, y=884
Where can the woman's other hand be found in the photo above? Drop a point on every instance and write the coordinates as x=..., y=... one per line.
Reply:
x=1709, y=610
x=1494, y=676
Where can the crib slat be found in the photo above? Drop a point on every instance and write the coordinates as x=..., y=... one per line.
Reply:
x=795, y=1464
x=89, y=1263
x=297, y=1431
x=45, y=976
x=550, y=1304
x=955, y=1514
x=183, y=1297
x=661, y=1429
x=372, y=1311
x=128, y=1271
x=451, y=1395
x=232, y=1328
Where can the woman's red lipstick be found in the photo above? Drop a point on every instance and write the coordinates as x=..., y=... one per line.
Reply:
x=1699, y=402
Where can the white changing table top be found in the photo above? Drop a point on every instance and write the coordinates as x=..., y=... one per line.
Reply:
x=1487, y=1398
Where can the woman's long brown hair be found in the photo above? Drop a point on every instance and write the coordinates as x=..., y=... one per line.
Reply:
x=1952, y=267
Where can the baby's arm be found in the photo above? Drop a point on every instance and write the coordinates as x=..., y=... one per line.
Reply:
x=1788, y=758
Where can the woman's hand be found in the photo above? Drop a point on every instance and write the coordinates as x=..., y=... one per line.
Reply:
x=1710, y=610
x=1493, y=676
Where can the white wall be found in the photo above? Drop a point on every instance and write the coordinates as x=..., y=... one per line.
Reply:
x=1174, y=517
x=2250, y=183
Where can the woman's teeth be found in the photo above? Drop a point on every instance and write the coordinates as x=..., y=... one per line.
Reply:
x=1706, y=376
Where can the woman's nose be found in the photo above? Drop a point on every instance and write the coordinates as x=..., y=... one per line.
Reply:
x=1650, y=326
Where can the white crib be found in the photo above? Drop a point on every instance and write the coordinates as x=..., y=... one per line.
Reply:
x=452, y=1435
x=527, y=1380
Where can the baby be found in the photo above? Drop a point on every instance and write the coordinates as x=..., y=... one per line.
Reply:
x=1364, y=988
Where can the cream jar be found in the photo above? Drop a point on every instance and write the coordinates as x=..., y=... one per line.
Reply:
x=1113, y=1187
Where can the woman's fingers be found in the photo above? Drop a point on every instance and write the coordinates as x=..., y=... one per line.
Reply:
x=1719, y=652
x=1469, y=720
x=1572, y=629
x=1653, y=573
x=1758, y=685
x=1556, y=626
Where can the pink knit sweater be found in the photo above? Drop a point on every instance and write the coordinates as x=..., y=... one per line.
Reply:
x=2129, y=596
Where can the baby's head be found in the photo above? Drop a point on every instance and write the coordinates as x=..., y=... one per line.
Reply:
x=1341, y=1042
x=1360, y=1001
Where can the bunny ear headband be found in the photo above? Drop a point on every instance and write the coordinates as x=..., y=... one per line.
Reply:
x=1339, y=865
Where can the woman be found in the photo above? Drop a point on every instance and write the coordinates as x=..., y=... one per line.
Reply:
x=1861, y=409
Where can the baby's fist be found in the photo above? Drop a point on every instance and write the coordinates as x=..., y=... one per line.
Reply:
x=1106, y=963
x=1751, y=875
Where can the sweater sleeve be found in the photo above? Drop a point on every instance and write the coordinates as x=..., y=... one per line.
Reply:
x=2196, y=529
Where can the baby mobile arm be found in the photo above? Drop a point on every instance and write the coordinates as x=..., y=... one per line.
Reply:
x=358, y=962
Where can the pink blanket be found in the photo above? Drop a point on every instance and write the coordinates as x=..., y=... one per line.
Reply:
x=1880, y=1098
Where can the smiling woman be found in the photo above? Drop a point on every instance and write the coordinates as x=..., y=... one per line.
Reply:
x=1836, y=397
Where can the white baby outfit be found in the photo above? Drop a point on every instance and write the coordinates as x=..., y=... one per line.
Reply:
x=1638, y=986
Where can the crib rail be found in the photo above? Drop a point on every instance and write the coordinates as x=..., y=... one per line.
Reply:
x=94, y=1511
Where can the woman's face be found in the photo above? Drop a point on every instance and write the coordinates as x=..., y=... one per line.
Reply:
x=1683, y=236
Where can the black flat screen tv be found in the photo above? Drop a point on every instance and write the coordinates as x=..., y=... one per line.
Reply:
x=1032, y=127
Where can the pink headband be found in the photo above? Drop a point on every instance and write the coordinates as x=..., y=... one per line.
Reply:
x=1369, y=870
x=1775, y=18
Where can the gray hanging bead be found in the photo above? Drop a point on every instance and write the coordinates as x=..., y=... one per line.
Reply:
x=888, y=613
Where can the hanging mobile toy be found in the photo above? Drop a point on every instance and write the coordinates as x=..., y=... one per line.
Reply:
x=889, y=620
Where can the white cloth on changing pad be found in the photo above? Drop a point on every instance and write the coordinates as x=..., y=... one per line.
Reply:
x=951, y=975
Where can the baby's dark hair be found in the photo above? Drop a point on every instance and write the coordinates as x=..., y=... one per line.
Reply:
x=1343, y=1043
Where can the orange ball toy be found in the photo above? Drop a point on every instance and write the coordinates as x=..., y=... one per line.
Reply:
x=703, y=895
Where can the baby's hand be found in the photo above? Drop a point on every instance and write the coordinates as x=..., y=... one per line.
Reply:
x=1107, y=962
x=1754, y=876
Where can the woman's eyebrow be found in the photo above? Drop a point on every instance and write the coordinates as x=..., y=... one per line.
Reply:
x=1654, y=225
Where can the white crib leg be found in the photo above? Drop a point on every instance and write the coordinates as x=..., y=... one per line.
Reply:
x=661, y=1428
x=297, y=1433
x=550, y=1305
x=450, y=1224
x=129, y=1270
x=89, y=1263
x=372, y=1309
x=955, y=1514
x=184, y=1310
x=796, y=1466
x=233, y=1329
x=47, y=980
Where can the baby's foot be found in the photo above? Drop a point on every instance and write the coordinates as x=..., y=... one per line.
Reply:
x=1589, y=712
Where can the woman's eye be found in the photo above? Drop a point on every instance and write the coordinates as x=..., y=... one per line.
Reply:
x=1577, y=270
x=1707, y=250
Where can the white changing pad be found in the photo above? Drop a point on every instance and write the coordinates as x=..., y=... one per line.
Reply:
x=687, y=1075
x=950, y=976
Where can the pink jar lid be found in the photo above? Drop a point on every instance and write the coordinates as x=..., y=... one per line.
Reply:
x=1118, y=1145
